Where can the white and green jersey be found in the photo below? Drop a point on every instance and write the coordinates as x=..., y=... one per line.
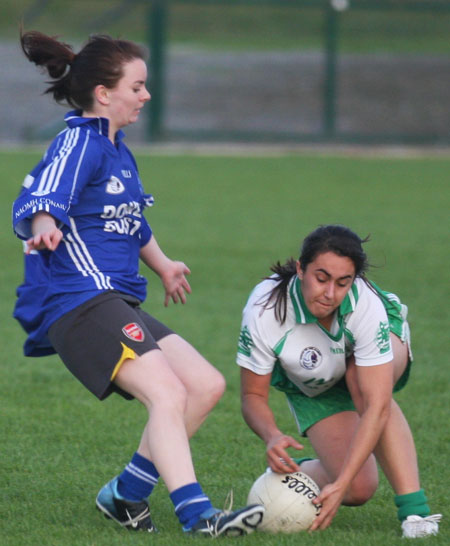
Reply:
x=312, y=357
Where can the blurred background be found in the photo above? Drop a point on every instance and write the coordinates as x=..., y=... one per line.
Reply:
x=249, y=71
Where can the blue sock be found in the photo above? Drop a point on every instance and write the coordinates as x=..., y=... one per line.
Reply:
x=138, y=479
x=190, y=502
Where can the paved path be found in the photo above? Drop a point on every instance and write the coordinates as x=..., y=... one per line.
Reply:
x=262, y=92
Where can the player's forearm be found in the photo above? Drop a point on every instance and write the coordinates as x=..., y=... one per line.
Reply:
x=153, y=257
x=259, y=417
x=42, y=222
x=367, y=435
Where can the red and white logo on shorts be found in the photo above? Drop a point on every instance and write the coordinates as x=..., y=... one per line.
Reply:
x=133, y=331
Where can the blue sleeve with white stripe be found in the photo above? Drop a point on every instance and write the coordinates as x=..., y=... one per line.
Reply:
x=54, y=185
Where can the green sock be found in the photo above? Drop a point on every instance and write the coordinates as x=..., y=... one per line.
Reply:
x=300, y=460
x=412, y=504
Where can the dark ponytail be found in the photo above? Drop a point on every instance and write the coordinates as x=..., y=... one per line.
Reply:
x=55, y=56
x=278, y=296
x=75, y=76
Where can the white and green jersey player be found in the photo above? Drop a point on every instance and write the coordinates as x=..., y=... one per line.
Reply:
x=307, y=360
x=338, y=346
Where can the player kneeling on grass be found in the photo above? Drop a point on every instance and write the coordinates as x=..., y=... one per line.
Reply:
x=338, y=346
x=81, y=214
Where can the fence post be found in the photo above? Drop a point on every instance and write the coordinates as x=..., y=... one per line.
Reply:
x=158, y=27
x=329, y=91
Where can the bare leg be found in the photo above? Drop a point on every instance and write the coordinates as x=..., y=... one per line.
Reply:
x=202, y=387
x=395, y=450
x=204, y=384
x=330, y=439
x=151, y=380
x=396, y=453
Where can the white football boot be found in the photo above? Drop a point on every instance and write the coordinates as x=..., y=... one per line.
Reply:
x=418, y=527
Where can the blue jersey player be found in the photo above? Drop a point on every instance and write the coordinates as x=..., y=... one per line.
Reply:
x=81, y=216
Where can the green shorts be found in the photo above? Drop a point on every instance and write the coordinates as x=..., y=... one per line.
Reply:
x=308, y=411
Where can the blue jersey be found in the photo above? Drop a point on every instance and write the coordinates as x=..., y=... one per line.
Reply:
x=92, y=188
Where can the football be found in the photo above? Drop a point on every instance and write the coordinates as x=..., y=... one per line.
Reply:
x=287, y=499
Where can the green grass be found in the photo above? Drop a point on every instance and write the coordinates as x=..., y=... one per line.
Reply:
x=222, y=25
x=228, y=218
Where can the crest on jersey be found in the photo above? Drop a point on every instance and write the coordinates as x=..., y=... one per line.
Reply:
x=383, y=337
x=133, y=331
x=40, y=193
x=114, y=186
x=246, y=343
x=310, y=358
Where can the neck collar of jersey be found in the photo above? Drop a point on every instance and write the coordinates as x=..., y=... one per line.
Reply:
x=99, y=125
x=304, y=316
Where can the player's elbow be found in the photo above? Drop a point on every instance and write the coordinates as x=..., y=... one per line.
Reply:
x=383, y=409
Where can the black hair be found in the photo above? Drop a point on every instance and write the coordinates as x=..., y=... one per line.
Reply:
x=327, y=238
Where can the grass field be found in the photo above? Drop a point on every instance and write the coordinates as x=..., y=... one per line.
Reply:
x=229, y=219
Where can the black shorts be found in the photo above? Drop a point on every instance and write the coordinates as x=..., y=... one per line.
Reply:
x=91, y=339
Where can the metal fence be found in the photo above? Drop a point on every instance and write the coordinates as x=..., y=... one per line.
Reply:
x=288, y=70
x=349, y=93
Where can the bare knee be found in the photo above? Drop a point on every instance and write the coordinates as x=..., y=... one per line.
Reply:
x=216, y=387
x=204, y=383
x=401, y=356
x=209, y=390
x=361, y=490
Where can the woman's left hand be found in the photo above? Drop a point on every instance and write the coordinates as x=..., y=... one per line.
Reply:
x=175, y=283
x=330, y=498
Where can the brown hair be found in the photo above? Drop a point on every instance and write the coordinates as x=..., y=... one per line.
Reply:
x=75, y=76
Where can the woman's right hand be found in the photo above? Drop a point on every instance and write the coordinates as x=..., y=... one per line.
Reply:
x=329, y=500
x=277, y=456
x=45, y=233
